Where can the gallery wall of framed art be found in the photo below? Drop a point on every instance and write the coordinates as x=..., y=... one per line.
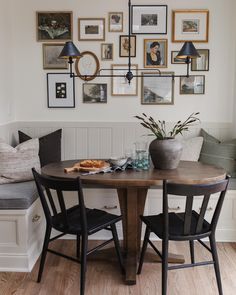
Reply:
x=157, y=32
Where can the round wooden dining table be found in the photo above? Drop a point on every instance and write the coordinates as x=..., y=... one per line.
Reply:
x=132, y=187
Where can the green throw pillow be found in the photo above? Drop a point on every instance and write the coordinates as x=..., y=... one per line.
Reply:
x=222, y=154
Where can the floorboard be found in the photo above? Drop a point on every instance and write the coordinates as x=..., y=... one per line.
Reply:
x=61, y=276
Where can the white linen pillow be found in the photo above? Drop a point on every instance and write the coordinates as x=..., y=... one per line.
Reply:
x=191, y=148
x=16, y=163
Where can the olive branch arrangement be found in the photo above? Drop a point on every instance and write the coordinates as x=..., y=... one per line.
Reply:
x=158, y=128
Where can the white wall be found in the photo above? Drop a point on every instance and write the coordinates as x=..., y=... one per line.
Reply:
x=6, y=114
x=29, y=78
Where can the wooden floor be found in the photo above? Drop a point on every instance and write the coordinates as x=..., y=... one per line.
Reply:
x=62, y=276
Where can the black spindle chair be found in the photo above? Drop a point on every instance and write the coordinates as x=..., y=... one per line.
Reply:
x=76, y=220
x=185, y=226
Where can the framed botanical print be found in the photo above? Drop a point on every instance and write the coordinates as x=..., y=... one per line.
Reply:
x=115, y=21
x=120, y=85
x=124, y=46
x=94, y=93
x=190, y=25
x=201, y=63
x=156, y=89
x=175, y=60
x=54, y=26
x=149, y=19
x=51, y=52
x=106, y=51
x=192, y=84
x=60, y=90
x=155, y=53
x=87, y=65
x=91, y=29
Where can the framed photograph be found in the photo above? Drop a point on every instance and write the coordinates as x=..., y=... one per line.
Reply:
x=87, y=64
x=155, y=53
x=175, y=60
x=124, y=46
x=149, y=19
x=157, y=90
x=190, y=25
x=91, y=29
x=54, y=26
x=60, y=90
x=192, y=84
x=120, y=85
x=106, y=51
x=201, y=63
x=51, y=52
x=115, y=21
x=94, y=93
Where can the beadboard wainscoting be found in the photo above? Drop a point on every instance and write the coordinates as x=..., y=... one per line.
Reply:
x=102, y=140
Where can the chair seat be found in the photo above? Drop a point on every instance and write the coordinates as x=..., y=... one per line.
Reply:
x=176, y=225
x=96, y=220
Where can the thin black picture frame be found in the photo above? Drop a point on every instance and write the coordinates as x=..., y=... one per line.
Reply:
x=149, y=33
x=49, y=99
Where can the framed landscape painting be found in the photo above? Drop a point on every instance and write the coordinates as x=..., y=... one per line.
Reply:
x=157, y=90
x=60, y=90
x=54, y=26
x=149, y=19
x=51, y=52
x=175, y=60
x=92, y=29
x=192, y=84
x=190, y=25
x=94, y=93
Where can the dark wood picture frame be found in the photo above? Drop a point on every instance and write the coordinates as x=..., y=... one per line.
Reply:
x=187, y=89
x=195, y=63
x=53, y=26
x=124, y=46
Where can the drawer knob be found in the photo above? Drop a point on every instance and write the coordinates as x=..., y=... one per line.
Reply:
x=36, y=218
x=174, y=208
x=110, y=207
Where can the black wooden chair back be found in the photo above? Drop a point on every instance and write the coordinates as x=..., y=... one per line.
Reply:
x=194, y=223
x=46, y=185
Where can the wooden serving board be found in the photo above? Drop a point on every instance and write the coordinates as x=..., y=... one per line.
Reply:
x=77, y=168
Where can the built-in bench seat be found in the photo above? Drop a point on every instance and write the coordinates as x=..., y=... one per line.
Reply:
x=21, y=226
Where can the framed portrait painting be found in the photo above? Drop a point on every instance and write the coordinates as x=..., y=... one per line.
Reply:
x=124, y=46
x=201, y=63
x=60, y=90
x=91, y=29
x=94, y=93
x=87, y=65
x=149, y=19
x=119, y=84
x=190, y=25
x=51, y=52
x=157, y=89
x=155, y=53
x=106, y=51
x=192, y=84
x=115, y=21
x=54, y=26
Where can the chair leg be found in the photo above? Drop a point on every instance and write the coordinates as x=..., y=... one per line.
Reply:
x=164, y=265
x=117, y=247
x=191, y=246
x=83, y=264
x=78, y=246
x=44, y=252
x=144, y=248
x=216, y=263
